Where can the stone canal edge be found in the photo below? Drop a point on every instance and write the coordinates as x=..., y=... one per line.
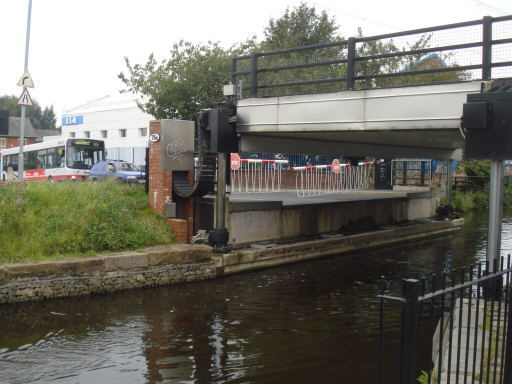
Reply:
x=179, y=263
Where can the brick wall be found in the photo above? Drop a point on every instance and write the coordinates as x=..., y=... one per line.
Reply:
x=11, y=142
x=160, y=191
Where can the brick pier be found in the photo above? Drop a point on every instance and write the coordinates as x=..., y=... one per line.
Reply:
x=160, y=191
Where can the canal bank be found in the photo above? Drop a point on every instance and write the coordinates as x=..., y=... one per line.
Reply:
x=159, y=266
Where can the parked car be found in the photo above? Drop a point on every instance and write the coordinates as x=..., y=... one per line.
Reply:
x=123, y=170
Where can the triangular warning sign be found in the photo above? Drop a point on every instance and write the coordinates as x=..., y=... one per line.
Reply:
x=25, y=99
x=25, y=80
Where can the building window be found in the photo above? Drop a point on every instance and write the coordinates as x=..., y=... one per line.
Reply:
x=3, y=143
x=143, y=132
x=72, y=134
x=103, y=134
x=87, y=134
x=122, y=133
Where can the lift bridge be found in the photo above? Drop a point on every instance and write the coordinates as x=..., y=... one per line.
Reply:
x=387, y=96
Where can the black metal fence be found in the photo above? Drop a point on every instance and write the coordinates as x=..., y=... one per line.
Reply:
x=455, y=328
x=473, y=50
x=417, y=172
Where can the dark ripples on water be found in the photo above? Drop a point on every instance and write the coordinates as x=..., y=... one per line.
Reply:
x=314, y=322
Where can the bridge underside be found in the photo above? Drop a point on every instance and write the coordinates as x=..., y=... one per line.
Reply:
x=422, y=121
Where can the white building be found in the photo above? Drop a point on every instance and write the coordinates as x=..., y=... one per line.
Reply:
x=117, y=121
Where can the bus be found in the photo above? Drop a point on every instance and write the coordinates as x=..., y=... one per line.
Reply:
x=62, y=159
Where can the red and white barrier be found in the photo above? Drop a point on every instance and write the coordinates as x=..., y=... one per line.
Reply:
x=256, y=175
x=313, y=180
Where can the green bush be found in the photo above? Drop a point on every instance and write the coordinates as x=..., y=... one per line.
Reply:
x=463, y=201
x=42, y=220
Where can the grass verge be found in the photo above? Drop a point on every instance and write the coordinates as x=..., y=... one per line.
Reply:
x=44, y=220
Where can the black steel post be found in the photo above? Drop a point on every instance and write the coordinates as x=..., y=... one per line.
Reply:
x=404, y=172
x=486, y=47
x=411, y=290
x=254, y=75
x=422, y=175
x=219, y=236
x=351, y=63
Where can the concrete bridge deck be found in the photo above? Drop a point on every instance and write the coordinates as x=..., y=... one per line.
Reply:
x=289, y=198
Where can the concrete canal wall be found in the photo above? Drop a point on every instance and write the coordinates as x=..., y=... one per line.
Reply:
x=187, y=263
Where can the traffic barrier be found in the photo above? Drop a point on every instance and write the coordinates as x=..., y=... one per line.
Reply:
x=256, y=175
x=313, y=180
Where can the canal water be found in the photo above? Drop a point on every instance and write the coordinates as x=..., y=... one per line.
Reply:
x=313, y=322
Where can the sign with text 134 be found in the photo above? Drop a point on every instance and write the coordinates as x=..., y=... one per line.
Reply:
x=72, y=120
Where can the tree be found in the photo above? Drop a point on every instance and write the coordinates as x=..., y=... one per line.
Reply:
x=48, y=119
x=179, y=87
x=192, y=78
x=44, y=120
x=300, y=27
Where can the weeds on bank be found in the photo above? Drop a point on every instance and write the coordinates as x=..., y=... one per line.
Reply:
x=44, y=220
x=463, y=201
x=423, y=377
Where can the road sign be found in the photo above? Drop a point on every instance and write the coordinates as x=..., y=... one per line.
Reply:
x=336, y=167
x=25, y=80
x=235, y=161
x=25, y=99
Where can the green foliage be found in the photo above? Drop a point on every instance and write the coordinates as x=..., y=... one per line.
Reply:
x=193, y=76
x=179, y=87
x=478, y=171
x=40, y=119
x=423, y=377
x=299, y=27
x=478, y=199
x=50, y=220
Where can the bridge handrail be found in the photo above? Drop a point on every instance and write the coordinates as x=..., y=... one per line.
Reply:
x=344, y=62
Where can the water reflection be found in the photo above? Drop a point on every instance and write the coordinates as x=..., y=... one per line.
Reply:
x=310, y=322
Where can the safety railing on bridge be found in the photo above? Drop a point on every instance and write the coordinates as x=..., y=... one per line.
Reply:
x=473, y=50
x=314, y=180
x=256, y=175
x=455, y=327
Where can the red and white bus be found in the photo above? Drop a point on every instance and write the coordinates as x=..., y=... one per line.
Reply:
x=62, y=159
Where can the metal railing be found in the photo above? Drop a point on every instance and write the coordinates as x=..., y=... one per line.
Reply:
x=455, y=328
x=473, y=50
x=257, y=175
x=317, y=180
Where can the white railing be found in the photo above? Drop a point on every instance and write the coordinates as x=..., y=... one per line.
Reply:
x=316, y=180
x=256, y=175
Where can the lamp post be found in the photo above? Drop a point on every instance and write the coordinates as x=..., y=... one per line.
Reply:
x=21, y=160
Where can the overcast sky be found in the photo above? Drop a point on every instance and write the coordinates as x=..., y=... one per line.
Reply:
x=77, y=46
